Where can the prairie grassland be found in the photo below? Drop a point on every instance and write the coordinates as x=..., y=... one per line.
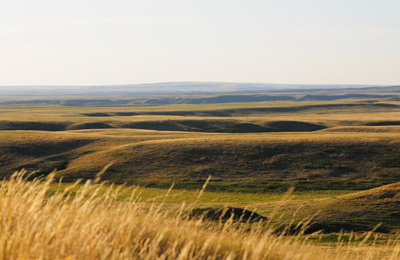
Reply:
x=208, y=198
x=355, y=157
x=94, y=225
x=336, y=149
x=333, y=112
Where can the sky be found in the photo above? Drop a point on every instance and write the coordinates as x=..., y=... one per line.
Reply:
x=99, y=42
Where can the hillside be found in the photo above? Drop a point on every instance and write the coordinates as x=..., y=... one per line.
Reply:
x=248, y=147
x=367, y=210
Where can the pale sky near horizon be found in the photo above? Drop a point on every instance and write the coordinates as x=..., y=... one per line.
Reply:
x=96, y=42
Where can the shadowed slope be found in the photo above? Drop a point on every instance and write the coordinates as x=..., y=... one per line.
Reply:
x=216, y=126
x=361, y=211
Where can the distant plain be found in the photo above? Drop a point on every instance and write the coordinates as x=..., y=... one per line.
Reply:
x=328, y=150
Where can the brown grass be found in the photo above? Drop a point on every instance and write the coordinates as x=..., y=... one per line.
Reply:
x=89, y=224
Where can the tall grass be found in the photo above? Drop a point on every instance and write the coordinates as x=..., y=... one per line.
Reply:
x=91, y=223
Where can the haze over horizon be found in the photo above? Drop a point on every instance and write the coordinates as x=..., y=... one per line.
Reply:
x=120, y=42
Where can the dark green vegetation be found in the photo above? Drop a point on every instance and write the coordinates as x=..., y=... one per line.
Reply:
x=248, y=148
x=226, y=213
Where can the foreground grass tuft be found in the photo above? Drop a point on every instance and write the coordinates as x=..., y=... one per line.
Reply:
x=89, y=224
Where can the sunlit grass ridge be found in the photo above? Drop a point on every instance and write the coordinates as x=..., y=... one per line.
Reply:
x=89, y=224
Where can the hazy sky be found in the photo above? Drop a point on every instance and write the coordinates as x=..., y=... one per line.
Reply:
x=90, y=42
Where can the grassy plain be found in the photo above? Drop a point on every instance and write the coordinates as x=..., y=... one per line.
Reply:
x=328, y=150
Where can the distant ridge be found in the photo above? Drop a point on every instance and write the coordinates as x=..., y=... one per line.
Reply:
x=167, y=87
x=187, y=93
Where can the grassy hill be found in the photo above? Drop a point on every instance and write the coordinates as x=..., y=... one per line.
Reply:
x=247, y=147
x=341, y=157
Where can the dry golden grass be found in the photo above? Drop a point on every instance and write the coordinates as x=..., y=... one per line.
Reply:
x=89, y=224
x=331, y=116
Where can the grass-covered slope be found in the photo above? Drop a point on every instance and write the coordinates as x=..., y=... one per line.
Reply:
x=248, y=147
x=375, y=209
x=89, y=222
x=244, y=162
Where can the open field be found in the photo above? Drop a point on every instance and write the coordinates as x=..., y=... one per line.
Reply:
x=328, y=150
x=199, y=130
x=249, y=147
x=93, y=221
